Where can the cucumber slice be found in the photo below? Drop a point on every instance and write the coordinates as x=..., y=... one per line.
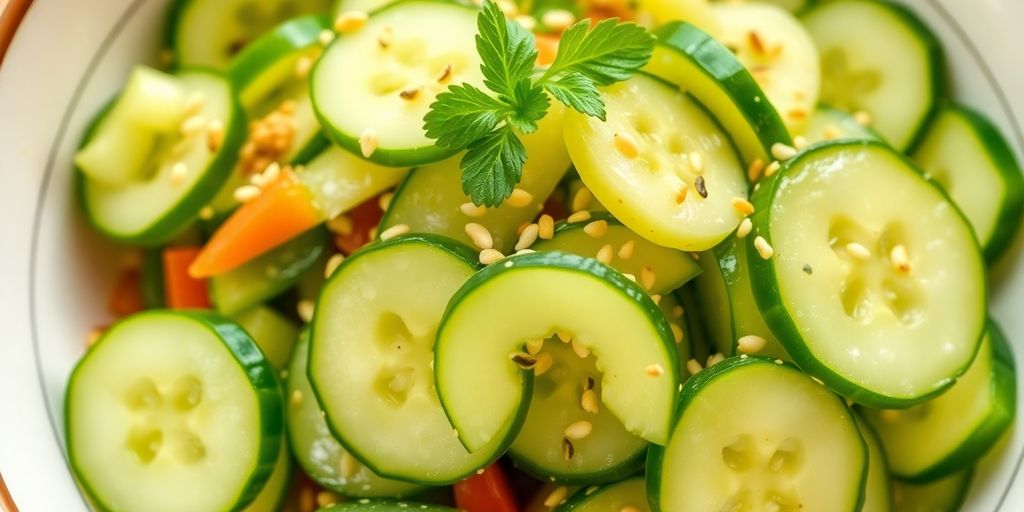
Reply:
x=779, y=53
x=726, y=300
x=168, y=403
x=267, y=275
x=670, y=268
x=208, y=33
x=675, y=315
x=385, y=506
x=629, y=495
x=272, y=332
x=429, y=199
x=753, y=434
x=318, y=452
x=830, y=123
x=833, y=294
x=879, y=58
x=701, y=66
x=359, y=5
x=608, y=454
x=876, y=489
x=790, y=5
x=945, y=495
x=700, y=341
x=151, y=280
x=651, y=186
x=948, y=433
x=152, y=210
x=369, y=364
x=969, y=157
x=340, y=181
x=490, y=318
x=429, y=45
x=275, y=491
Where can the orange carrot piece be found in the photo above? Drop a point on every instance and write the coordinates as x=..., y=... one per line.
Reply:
x=126, y=297
x=283, y=210
x=547, y=48
x=364, y=217
x=488, y=491
x=181, y=290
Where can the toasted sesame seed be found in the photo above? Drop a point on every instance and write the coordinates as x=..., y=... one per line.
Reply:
x=677, y=333
x=206, y=212
x=568, y=450
x=604, y=254
x=393, y=231
x=714, y=359
x=332, y=264
x=647, y=278
x=481, y=238
x=556, y=497
x=523, y=360
x=589, y=401
x=743, y=206
x=596, y=229
x=246, y=193
x=783, y=152
x=744, y=229
x=384, y=201
x=558, y=19
x=349, y=465
x=582, y=199
x=681, y=195
x=410, y=94
x=534, y=346
x=528, y=237
x=303, y=65
x=326, y=498
x=341, y=225
x=756, y=43
x=755, y=169
x=350, y=21
x=214, y=135
x=546, y=227
x=862, y=118
x=831, y=132
x=368, y=142
x=771, y=169
x=489, y=256
x=563, y=335
x=751, y=344
x=446, y=73
x=372, y=232
x=580, y=216
x=778, y=362
x=700, y=186
x=178, y=173
x=858, y=251
x=900, y=258
x=580, y=349
x=578, y=430
x=797, y=114
x=544, y=362
x=193, y=124
x=800, y=142
x=656, y=299
x=519, y=198
x=629, y=276
x=654, y=370
x=764, y=249
x=526, y=21
x=693, y=367
x=626, y=145
x=305, y=309
x=626, y=251
x=472, y=210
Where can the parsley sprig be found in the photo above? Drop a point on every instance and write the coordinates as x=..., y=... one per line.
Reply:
x=487, y=124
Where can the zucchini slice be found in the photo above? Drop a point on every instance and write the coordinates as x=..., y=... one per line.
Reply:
x=629, y=495
x=697, y=63
x=945, y=495
x=968, y=156
x=952, y=431
x=169, y=402
x=370, y=360
x=534, y=296
x=364, y=89
x=876, y=285
x=877, y=57
x=757, y=434
x=659, y=163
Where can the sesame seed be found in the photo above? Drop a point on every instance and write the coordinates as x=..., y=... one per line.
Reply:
x=743, y=206
x=756, y=43
x=580, y=349
x=604, y=254
x=900, y=258
x=349, y=465
x=410, y=94
x=763, y=248
x=528, y=237
x=580, y=216
x=589, y=402
x=755, y=170
x=178, y=173
x=372, y=232
x=568, y=450
x=745, y=227
x=890, y=415
x=589, y=383
x=523, y=360
x=656, y=299
x=629, y=276
x=800, y=142
x=596, y=229
x=626, y=145
x=778, y=362
x=701, y=187
x=626, y=251
x=384, y=201
x=696, y=162
x=534, y=346
x=192, y=125
x=693, y=367
x=582, y=199
x=195, y=102
x=350, y=21
x=858, y=251
x=393, y=231
x=368, y=142
x=271, y=173
x=305, y=309
x=677, y=333
x=385, y=37
x=214, y=135
x=525, y=251
x=751, y=344
x=558, y=19
x=296, y=397
x=831, y=132
x=489, y=256
x=480, y=471
x=783, y=152
x=544, y=362
x=519, y=198
x=446, y=73
x=246, y=193
x=578, y=430
x=681, y=195
x=654, y=370
x=647, y=278
x=206, y=213
x=332, y=264
x=326, y=36
x=862, y=118
x=481, y=238
x=303, y=65
x=472, y=210
x=772, y=169
x=556, y=497
x=341, y=225
x=546, y=227
x=326, y=498
x=563, y=335
x=714, y=359
x=526, y=21
x=807, y=269
x=797, y=114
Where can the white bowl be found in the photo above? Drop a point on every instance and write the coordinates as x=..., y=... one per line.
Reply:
x=69, y=56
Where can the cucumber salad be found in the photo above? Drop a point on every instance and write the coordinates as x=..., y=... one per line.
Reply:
x=543, y=255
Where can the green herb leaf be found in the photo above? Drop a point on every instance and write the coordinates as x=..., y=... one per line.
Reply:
x=610, y=52
x=493, y=166
x=461, y=115
x=577, y=91
x=530, y=105
x=507, y=50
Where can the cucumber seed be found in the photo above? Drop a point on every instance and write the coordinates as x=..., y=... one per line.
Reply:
x=701, y=186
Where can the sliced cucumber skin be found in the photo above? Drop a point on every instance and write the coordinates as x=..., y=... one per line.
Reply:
x=843, y=121
x=946, y=495
x=580, y=500
x=655, y=454
x=1012, y=211
x=720, y=67
x=184, y=213
x=771, y=304
x=880, y=499
x=261, y=375
x=285, y=39
x=385, y=506
x=275, y=491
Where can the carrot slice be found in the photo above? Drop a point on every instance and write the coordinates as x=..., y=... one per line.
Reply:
x=126, y=297
x=283, y=210
x=181, y=290
x=363, y=219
